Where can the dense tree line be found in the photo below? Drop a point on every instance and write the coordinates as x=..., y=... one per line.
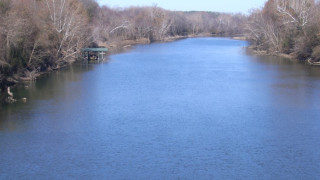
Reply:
x=287, y=26
x=40, y=35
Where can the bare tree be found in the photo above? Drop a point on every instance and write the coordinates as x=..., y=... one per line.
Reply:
x=297, y=12
x=68, y=24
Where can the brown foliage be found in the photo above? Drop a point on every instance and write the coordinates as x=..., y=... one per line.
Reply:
x=284, y=26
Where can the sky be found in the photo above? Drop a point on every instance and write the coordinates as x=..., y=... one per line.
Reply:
x=230, y=6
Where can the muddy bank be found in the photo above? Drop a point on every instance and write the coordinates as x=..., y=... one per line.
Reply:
x=240, y=38
x=309, y=61
x=120, y=46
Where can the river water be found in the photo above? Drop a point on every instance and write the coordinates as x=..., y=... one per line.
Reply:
x=198, y=108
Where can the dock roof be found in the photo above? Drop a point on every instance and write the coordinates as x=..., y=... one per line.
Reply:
x=95, y=49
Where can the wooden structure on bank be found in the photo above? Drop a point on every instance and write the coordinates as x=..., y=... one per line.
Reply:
x=94, y=54
x=313, y=63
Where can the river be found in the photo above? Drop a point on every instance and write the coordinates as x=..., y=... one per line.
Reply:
x=199, y=108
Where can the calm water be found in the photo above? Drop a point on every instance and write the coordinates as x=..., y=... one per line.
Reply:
x=192, y=109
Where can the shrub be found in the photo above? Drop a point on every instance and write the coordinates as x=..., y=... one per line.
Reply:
x=316, y=53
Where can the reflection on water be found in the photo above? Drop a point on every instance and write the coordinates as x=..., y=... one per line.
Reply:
x=48, y=87
x=195, y=108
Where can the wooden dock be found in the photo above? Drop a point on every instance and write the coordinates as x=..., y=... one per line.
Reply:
x=94, y=54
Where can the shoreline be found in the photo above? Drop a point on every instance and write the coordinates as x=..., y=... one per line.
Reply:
x=114, y=47
x=291, y=57
x=119, y=46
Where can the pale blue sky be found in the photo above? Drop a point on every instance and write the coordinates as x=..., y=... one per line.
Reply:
x=188, y=5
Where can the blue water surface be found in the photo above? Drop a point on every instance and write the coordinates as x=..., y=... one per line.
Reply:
x=199, y=108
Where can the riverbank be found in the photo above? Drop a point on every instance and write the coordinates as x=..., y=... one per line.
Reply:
x=113, y=46
x=292, y=57
x=120, y=46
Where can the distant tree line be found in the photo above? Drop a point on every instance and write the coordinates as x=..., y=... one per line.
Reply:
x=287, y=26
x=155, y=23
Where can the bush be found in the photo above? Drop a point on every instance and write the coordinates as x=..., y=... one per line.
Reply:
x=316, y=53
x=288, y=44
